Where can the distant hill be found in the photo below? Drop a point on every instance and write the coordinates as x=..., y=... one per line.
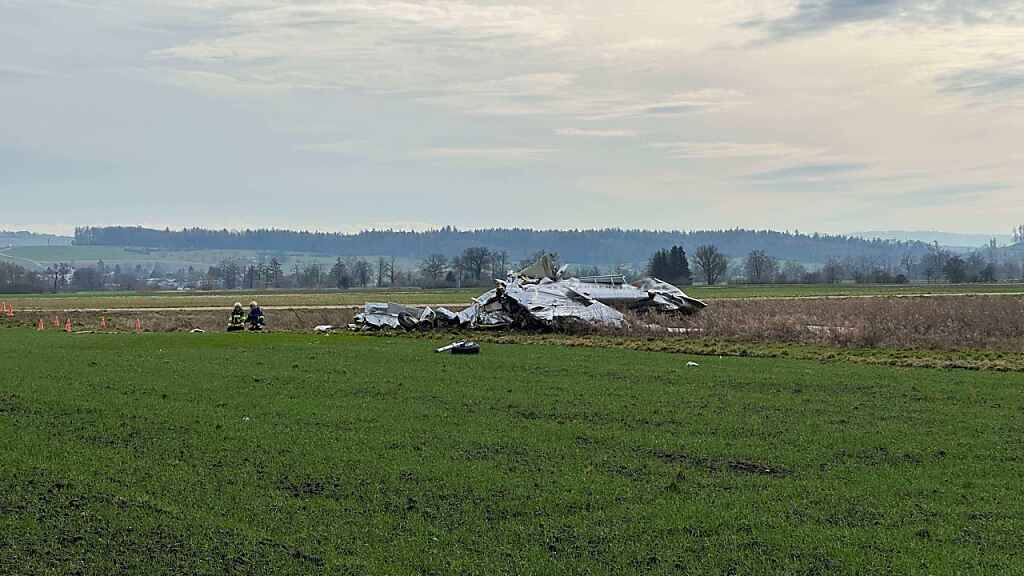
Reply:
x=590, y=247
x=22, y=238
x=948, y=239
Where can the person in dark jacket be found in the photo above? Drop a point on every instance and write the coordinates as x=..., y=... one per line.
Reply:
x=237, y=321
x=256, y=319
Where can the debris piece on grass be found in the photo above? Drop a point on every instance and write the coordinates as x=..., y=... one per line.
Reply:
x=381, y=315
x=692, y=364
x=464, y=347
x=323, y=329
x=197, y=331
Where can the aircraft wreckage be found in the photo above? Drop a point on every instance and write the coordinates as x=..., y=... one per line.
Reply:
x=539, y=298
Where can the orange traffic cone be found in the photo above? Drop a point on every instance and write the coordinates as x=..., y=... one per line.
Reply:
x=67, y=326
x=138, y=326
x=10, y=310
x=103, y=322
x=41, y=326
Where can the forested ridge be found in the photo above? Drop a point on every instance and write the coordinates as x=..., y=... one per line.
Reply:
x=595, y=247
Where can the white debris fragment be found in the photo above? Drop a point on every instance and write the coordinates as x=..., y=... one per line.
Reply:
x=692, y=364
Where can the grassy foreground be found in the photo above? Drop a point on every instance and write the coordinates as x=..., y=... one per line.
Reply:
x=291, y=454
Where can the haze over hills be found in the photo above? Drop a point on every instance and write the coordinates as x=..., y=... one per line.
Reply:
x=25, y=238
x=604, y=248
x=591, y=247
x=948, y=239
x=945, y=239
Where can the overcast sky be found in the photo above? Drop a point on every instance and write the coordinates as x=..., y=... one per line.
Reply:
x=818, y=115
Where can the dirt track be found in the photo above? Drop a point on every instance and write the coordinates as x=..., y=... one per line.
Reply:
x=218, y=309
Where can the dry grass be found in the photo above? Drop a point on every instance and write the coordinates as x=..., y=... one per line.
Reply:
x=290, y=320
x=944, y=323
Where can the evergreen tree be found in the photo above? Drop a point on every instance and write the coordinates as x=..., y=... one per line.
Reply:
x=671, y=265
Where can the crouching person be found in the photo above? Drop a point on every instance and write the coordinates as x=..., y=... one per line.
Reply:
x=237, y=321
x=256, y=319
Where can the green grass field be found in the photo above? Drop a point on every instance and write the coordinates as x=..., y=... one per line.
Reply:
x=100, y=300
x=291, y=454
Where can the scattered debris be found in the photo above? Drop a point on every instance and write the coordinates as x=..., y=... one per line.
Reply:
x=756, y=468
x=323, y=329
x=741, y=466
x=538, y=298
x=463, y=347
x=692, y=364
x=378, y=315
x=198, y=331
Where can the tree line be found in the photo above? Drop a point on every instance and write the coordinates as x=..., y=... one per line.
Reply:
x=711, y=266
x=603, y=247
x=480, y=266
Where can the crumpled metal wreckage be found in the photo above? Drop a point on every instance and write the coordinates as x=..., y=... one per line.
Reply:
x=538, y=298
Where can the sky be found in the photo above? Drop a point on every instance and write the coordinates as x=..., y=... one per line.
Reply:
x=811, y=115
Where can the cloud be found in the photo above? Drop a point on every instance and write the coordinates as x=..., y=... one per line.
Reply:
x=487, y=154
x=19, y=73
x=595, y=133
x=721, y=150
x=662, y=98
x=985, y=81
x=950, y=193
x=683, y=103
x=810, y=17
x=492, y=59
x=34, y=166
x=808, y=172
x=340, y=147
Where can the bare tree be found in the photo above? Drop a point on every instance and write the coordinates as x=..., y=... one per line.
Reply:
x=475, y=259
x=362, y=271
x=459, y=268
x=908, y=263
x=792, y=272
x=275, y=273
x=760, y=267
x=500, y=264
x=711, y=263
x=383, y=271
x=833, y=271
x=251, y=276
x=312, y=276
x=230, y=270
x=934, y=262
x=340, y=274
x=433, y=268
x=394, y=273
